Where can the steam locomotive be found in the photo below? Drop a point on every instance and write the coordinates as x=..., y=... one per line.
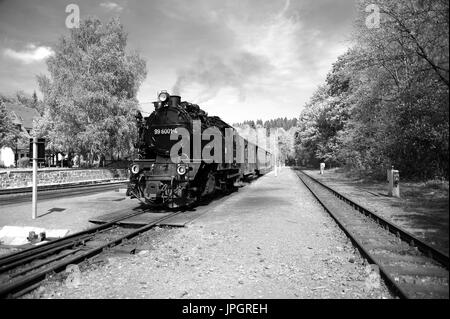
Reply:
x=172, y=172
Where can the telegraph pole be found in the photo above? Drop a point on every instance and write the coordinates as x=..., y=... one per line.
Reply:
x=35, y=165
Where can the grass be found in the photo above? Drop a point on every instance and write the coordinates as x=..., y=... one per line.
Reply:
x=433, y=189
x=437, y=184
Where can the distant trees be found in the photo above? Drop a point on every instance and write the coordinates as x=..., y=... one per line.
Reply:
x=249, y=123
x=286, y=130
x=90, y=95
x=385, y=102
x=286, y=140
x=284, y=123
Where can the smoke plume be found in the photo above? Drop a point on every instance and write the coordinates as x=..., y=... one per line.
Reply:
x=213, y=73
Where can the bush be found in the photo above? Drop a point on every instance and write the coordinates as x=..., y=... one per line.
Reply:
x=23, y=162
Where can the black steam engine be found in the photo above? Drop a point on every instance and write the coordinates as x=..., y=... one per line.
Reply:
x=159, y=177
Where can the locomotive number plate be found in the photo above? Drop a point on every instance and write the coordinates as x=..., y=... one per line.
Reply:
x=164, y=131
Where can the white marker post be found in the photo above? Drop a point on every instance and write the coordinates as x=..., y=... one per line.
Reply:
x=276, y=154
x=35, y=165
x=394, y=183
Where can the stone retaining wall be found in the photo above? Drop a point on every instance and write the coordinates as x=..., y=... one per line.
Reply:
x=24, y=178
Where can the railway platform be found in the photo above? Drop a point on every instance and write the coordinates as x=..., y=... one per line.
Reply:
x=60, y=212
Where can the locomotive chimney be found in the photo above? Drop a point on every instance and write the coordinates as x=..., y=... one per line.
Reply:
x=175, y=100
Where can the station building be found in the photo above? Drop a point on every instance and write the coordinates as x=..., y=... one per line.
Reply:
x=22, y=117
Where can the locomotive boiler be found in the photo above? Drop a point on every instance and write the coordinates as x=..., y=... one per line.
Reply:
x=184, y=155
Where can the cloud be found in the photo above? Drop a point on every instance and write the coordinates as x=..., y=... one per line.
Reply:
x=30, y=54
x=211, y=73
x=265, y=55
x=111, y=6
x=246, y=58
x=277, y=37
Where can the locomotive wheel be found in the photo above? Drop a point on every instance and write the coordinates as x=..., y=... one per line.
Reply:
x=210, y=185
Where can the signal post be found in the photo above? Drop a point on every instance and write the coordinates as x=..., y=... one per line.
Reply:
x=37, y=148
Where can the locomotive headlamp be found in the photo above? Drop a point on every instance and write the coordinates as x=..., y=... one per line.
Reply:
x=135, y=169
x=181, y=169
x=163, y=96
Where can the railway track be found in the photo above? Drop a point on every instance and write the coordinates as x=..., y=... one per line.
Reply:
x=23, y=271
x=413, y=269
x=11, y=196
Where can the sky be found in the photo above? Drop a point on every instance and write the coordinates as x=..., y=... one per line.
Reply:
x=238, y=59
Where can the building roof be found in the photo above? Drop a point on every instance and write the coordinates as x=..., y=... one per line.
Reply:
x=22, y=115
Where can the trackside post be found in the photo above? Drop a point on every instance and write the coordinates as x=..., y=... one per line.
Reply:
x=35, y=165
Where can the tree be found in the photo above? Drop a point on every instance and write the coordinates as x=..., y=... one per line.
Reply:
x=90, y=96
x=401, y=73
x=385, y=102
x=4, y=98
x=23, y=98
x=8, y=131
x=35, y=100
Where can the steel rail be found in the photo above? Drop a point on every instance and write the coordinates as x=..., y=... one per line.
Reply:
x=20, y=198
x=14, y=288
x=425, y=248
x=385, y=274
x=61, y=187
x=403, y=294
x=27, y=259
x=45, y=262
x=61, y=242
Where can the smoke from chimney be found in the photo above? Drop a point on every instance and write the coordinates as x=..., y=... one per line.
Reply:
x=213, y=73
